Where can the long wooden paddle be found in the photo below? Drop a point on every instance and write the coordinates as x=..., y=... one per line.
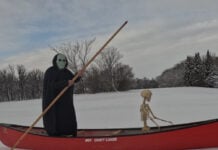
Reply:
x=64, y=90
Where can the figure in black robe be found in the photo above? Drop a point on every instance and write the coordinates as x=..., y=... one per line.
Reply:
x=61, y=117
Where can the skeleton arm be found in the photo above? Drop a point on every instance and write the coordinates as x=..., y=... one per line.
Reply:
x=154, y=122
x=152, y=116
x=152, y=112
x=155, y=117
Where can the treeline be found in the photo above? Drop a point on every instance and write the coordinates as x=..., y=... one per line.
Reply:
x=197, y=70
x=16, y=83
x=107, y=73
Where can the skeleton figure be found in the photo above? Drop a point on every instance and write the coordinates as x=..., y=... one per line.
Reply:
x=146, y=112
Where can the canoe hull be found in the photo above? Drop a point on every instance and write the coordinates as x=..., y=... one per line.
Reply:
x=190, y=136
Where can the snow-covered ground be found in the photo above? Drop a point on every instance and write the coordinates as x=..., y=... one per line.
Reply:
x=121, y=109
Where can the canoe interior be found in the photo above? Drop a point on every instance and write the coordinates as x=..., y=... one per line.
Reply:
x=111, y=132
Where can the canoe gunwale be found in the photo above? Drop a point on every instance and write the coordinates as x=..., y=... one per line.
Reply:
x=195, y=135
x=123, y=131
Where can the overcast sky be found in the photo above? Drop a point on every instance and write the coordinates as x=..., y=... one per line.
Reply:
x=159, y=33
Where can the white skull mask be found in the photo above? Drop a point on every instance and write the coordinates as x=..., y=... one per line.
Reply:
x=61, y=61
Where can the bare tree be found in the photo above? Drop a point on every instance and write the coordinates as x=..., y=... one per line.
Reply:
x=123, y=77
x=22, y=75
x=8, y=84
x=4, y=85
x=11, y=79
x=107, y=62
x=34, y=83
x=93, y=80
x=98, y=80
x=77, y=55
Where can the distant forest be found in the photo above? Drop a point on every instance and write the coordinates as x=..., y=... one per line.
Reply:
x=200, y=71
x=107, y=74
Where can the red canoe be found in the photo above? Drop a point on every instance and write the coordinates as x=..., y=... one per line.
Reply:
x=202, y=134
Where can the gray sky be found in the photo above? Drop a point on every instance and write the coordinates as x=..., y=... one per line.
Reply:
x=159, y=33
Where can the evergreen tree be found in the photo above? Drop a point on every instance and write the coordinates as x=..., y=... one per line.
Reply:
x=189, y=66
x=209, y=68
x=194, y=71
x=198, y=74
x=212, y=79
x=209, y=65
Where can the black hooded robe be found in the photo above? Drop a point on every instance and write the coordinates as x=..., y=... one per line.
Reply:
x=61, y=117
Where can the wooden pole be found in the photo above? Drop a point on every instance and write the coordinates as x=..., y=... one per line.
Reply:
x=64, y=90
